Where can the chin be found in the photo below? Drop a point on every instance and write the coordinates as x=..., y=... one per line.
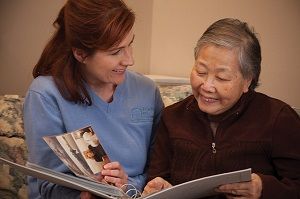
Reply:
x=119, y=80
x=209, y=110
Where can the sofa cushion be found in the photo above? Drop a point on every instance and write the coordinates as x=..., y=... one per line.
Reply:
x=13, y=182
x=11, y=123
x=174, y=93
x=12, y=147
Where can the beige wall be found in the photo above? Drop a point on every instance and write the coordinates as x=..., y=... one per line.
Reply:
x=166, y=31
x=25, y=28
x=142, y=42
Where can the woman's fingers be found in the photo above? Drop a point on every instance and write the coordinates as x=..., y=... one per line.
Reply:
x=86, y=195
x=157, y=184
x=114, y=173
x=249, y=190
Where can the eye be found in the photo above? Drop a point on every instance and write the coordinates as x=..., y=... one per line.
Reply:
x=222, y=78
x=201, y=73
x=116, y=52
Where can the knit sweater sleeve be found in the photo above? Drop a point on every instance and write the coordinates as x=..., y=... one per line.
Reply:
x=160, y=156
x=42, y=118
x=285, y=157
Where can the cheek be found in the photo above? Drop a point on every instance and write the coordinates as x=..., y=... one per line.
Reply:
x=225, y=91
x=230, y=94
x=91, y=67
x=195, y=81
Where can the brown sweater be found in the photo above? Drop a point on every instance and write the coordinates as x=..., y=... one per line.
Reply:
x=259, y=132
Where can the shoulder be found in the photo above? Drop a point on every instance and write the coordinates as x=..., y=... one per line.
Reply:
x=139, y=80
x=182, y=106
x=137, y=84
x=272, y=102
x=270, y=105
x=43, y=84
x=43, y=88
x=177, y=115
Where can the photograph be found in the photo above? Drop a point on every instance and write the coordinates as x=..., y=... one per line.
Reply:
x=57, y=148
x=80, y=150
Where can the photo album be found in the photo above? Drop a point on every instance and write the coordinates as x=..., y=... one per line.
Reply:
x=81, y=151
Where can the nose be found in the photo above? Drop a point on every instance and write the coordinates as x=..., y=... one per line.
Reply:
x=127, y=59
x=208, y=85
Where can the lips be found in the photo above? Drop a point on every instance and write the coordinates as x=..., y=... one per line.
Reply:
x=119, y=70
x=208, y=99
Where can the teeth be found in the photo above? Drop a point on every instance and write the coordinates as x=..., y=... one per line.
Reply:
x=118, y=71
x=208, y=99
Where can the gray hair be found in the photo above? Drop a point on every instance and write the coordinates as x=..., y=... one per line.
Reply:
x=234, y=34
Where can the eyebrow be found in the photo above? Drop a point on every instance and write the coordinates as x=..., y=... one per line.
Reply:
x=120, y=47
x=221, y=68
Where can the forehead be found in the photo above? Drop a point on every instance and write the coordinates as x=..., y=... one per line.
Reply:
x=218, y=57
x=125, y=41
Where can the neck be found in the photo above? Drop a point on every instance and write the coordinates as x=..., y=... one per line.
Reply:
x=105, y=92
x=214, y=126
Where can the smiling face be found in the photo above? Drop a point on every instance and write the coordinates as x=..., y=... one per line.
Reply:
x=107, y=68
x=216, y=79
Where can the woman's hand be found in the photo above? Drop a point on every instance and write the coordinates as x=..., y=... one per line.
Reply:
x=86, y=195
x=247, y=190
x=113, y=173
x=157, y=184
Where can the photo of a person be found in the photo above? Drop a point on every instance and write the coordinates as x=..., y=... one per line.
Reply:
x=90, y=138
x=80, y=150
x=55, y=145
x=75, y=153
x=95, y=150
x=84, y=148
x=91, y=153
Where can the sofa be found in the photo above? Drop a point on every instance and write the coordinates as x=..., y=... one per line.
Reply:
x=12, y=138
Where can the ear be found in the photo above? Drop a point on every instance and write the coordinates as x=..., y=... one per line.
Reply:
x=247, y=83
x=79, y=54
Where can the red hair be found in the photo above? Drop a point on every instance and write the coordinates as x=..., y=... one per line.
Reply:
x=88, y=25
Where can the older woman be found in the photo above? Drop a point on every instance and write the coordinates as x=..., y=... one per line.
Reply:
x=226, y=125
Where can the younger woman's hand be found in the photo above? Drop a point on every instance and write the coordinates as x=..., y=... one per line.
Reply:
x=86, y=195
x=113, y=173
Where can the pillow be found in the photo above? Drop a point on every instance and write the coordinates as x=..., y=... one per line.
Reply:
x=13, y=184
x=174, y=93
x=11, y=117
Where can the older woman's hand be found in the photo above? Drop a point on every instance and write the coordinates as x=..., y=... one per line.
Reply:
x=155, y=185
x=249, y=190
